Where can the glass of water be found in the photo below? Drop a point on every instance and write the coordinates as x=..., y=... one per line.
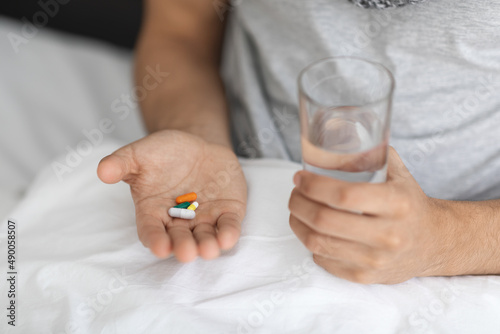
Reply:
x=345, y=111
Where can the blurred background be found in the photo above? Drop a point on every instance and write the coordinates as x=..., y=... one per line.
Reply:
x=62, y=76
x=114, y=21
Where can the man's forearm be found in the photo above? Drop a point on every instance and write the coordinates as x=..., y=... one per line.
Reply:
x=192, y=97
x=470, y=238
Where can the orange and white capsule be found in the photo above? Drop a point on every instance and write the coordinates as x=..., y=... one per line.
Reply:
x=189, y=197
x=193, y=206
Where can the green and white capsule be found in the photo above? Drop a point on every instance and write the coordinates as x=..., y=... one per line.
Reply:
x=184, y=205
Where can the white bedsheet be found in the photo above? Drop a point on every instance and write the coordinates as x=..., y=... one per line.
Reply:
x=83, y=270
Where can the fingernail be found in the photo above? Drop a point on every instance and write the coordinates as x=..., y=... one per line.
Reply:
x=296, y=179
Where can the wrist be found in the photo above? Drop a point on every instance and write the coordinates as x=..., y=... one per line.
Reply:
x=209, y=123
x=464, y=243
x=440, y=232
x=205, y=132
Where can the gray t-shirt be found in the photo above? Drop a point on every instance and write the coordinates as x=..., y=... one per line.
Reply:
x=444, y=54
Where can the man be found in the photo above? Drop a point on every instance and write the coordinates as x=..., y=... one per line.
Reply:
x=444, y=56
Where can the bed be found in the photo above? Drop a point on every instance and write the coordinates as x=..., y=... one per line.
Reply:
x=80, y=267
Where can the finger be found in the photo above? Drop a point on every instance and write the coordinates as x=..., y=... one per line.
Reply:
x=347, y=251
x=184, y=245
x=337, y=223
x=205, y=236
x=396, y=167
x=116, y=167
x=343, y=270
x=228, y=230
x=365, y=197
x=334, y=267
x=153, y=235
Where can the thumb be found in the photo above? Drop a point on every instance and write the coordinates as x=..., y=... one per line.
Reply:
x=116, y=166
x=396, y=167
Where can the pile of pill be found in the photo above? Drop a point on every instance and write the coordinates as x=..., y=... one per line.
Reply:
x=186, y=205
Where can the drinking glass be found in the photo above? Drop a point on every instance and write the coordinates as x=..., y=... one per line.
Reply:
x=345, y=114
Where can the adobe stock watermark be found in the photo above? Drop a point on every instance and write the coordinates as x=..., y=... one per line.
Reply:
x=12, y=273
x=457, y=114
x=291, y=280
x=29, y=30
x=266, y=135
x=421, y=319
x=88, y=310
x=221, y=179
x=122, y=107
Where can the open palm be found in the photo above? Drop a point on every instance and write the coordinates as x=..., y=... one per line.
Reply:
x=170, y=163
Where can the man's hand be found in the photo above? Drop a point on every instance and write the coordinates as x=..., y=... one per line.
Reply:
x=401, y=233
x=190, y=148
x=170, y=163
